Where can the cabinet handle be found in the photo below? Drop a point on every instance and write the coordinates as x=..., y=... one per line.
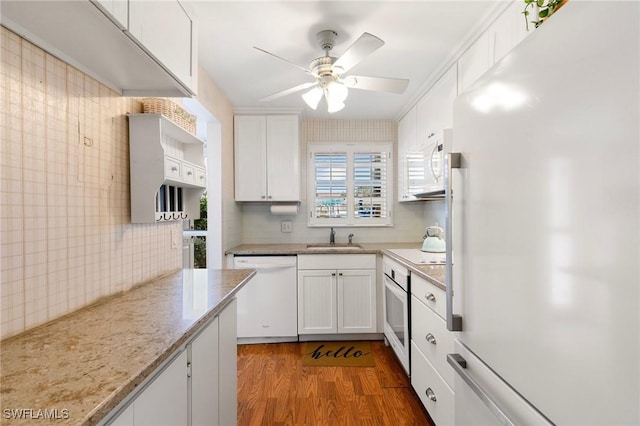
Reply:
x=340, y=273
x=269, y=197
x=189, y=173
x=430, y=338
x=431, y=395
x=263, y=197
x=201, y=177
x=174, y=169
x=333, y=275
x=430, y=297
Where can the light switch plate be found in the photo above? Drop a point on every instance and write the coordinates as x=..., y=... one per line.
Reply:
x=286, y=226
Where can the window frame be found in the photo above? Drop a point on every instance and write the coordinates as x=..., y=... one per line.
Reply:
x=350, y=148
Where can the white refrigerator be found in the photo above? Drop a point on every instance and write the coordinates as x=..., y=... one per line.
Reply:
x=544, y=219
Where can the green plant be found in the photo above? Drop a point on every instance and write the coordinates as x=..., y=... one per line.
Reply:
x=200, y=247
x=545, y=8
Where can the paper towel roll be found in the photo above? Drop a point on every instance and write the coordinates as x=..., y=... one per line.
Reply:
x=284, y=209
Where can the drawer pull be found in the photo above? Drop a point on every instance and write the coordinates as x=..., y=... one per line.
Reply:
x=430, y=297
x=174, y=169
x=189, y=173
x=430, y=338
x=431, y=395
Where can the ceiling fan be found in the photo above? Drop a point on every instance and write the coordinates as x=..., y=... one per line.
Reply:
x=329, y=71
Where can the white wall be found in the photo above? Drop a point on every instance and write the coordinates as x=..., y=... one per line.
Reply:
x=259, y=226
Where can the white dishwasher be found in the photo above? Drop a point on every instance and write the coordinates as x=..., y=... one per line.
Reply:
x=268, y=303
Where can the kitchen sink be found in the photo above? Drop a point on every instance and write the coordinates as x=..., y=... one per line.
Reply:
x=340, y=246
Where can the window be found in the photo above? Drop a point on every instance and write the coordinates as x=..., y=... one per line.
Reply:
x=350, y=184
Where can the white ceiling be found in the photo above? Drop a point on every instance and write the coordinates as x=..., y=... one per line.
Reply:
x=421, y=38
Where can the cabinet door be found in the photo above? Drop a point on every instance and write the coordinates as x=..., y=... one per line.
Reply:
x=125, y=418
x=357, y=301
x=164, y=30
x=473, y=63
x=164, y=401
x=204, y=376
x=228, y=374
x=507, y=31
x=250, y=158
x=317, y=302
x=406, y=144
x=283, y=158
x=118, y=11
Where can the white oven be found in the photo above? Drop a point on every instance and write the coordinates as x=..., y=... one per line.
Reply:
x=396, y=310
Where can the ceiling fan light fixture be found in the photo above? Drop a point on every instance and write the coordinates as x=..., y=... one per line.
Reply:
x=335, y=93
x=334, y=107
x=312, y=97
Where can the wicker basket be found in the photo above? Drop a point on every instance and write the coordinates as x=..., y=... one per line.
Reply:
x=172, y=111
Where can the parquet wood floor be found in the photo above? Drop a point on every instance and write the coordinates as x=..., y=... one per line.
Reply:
x=275, y=389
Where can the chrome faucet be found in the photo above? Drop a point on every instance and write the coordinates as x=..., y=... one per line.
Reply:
x=332, y=237
x=350, y=239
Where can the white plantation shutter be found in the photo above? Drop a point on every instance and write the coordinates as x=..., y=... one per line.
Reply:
x=350, y=184
x=330, y=185
x=370, y=184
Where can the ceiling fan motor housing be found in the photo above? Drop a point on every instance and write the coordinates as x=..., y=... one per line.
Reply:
x=327, y=39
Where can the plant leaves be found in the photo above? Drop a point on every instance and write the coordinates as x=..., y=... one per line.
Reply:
x=544, y=13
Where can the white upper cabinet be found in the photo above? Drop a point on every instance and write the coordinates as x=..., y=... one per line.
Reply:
x=164, y=29
x=507, y=31
x=138, y=48
x=267, y=158
x=435, y=109
x=116, y=10
x=406, y=148
x=473, y=63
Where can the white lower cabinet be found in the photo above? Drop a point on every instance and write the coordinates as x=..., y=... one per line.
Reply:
x=434, y=393
x=340, y=300
x=198, y=387
x=204, y=376
x=431, y=376
x=164, y=402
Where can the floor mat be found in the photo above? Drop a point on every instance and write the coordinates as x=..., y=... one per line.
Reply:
x=342, y=354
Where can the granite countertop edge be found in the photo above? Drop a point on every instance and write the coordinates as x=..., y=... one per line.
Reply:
x=25, y=368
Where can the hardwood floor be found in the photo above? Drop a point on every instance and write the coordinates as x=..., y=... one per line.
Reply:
x=275, y=389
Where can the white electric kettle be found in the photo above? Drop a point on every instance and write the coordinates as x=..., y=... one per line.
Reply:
x=433, y=242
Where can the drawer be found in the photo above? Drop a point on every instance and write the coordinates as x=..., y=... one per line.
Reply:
x=430, y=334
x=188, y=173
x=429, y=294
x=201, y=177
x=172, y=168
x=424, y=377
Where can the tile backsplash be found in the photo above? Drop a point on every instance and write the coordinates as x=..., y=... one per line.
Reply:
x=66, y=235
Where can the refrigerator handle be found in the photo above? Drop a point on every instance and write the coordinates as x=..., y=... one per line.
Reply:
x=459, y=365
x=454, y=322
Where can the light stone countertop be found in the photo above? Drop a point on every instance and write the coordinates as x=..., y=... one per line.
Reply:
x=435, y=274
x=89, y=361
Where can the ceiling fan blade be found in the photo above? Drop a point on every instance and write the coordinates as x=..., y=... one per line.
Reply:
x=288, y=91
x=360, y=49
x=379, y=84
x=285, y=60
